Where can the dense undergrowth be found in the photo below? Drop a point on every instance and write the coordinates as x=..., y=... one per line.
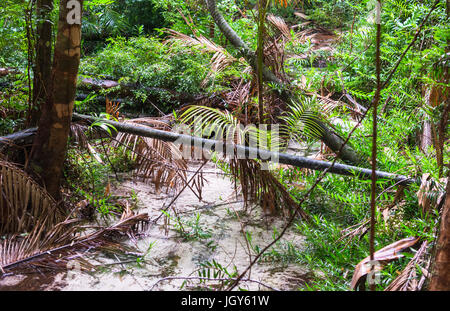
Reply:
x=135, y=49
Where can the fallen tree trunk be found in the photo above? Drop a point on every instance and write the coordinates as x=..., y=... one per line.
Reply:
x=21, y=138
x=284, y=158
x=331, y=139
x=25, y=137
x=127, y=90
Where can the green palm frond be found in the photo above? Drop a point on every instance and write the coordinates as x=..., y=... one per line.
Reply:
x=257, y=185
x=105, y=21
x=204, y=121
x=300, y=121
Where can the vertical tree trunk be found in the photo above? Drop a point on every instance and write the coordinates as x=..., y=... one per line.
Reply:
x=441, y=276
x=43, y=65
x=260, y=58
x=212, y=28
x=49, y=148
x=425, y=137
x=440, y=280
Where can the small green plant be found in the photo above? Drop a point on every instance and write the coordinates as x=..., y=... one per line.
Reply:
x=209, y=271
x=190, y=229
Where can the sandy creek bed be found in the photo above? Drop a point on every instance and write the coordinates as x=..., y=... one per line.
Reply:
x=173, y=256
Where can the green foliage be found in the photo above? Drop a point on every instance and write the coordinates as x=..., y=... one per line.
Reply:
x=340, y=203
x=13, y=47
x=190, y=229
x=151, y=63
x=87, y=177
x=13, y=102
x=400, y=20
x=110, y=18
x=332, y=14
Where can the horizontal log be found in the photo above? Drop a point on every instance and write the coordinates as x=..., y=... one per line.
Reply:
x=21, y=138
x=284, y=158
x=25, y=137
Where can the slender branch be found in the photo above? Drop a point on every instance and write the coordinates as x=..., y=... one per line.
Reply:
x=179, y=193
x=376, y=100
x=212, y=279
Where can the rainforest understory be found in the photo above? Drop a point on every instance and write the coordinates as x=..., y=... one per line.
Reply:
x=126, y=140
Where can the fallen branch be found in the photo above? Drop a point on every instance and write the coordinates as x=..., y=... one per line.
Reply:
x=127, y=90
x=21, y=138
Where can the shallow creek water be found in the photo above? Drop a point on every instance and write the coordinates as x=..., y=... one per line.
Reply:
x=221, y=220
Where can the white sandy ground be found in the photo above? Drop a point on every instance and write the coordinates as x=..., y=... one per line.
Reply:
x=172, y=256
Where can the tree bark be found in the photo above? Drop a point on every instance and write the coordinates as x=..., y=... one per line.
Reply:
x=331, y=139
x=440, y=280
x=43, y=62
x=50, y=144
x=260, y=57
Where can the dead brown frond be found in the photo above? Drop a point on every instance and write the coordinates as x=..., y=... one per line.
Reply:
x=156, y=160
x=279, y=24
x=431, y=193
x=352, y=232
x=78, y=134
x=381, y=257
x=261, y=187
x=24, y=203
x=55, y=248
x=408, y=279
x=220, y=60
x=112, y=108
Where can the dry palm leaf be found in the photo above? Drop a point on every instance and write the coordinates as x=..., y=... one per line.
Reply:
x=301, y=15
x=351, y=232
x=261, y=187
x=281, y=25
x=407, y=280
x=78, y=135
x=55, y=248
x=431, y=193
x=157, y=160
x=112, y=108
x=383, y=256
x=24, y=203
x=220, y=60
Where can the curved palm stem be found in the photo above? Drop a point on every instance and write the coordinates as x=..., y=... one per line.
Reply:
x=330, y=138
